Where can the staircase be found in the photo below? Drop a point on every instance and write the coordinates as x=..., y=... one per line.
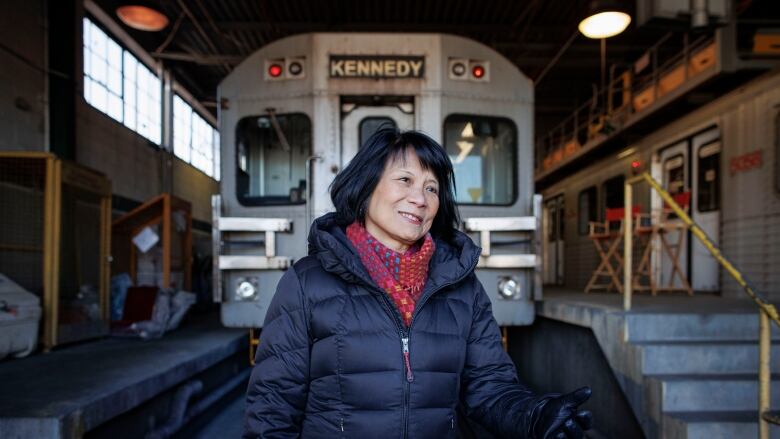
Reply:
x=686, y=374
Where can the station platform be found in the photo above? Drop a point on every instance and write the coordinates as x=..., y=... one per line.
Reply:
x=685, y=366
x=70, y=391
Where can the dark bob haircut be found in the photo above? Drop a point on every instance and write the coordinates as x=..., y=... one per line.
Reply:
x=352, y=188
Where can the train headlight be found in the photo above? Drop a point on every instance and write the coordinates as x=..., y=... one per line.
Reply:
x=509, y=287
x=246, y=288
x=295, y=68
x=458, y=69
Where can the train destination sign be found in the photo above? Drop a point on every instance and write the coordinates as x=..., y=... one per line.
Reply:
x=377, y=66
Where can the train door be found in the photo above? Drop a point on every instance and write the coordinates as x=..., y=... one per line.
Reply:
x=360, y=119
x=674, y=178
x=553, y=244
x=705, y=208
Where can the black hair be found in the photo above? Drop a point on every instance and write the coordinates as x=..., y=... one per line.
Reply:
x=352, y=188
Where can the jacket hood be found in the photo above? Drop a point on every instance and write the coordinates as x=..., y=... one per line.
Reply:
x=328, y=242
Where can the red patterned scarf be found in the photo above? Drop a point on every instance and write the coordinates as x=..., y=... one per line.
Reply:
x=402, y=276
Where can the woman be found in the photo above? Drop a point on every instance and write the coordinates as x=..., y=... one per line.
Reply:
x=384, y=331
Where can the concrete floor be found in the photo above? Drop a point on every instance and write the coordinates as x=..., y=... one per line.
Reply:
x=645, y=303
x=78, y=387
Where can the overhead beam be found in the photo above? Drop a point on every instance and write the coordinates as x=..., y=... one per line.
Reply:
x=303, y=26
x=217, y=60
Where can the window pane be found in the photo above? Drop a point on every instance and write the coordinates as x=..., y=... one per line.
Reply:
x=269, y=172
x=709, y=178
x=586, y=210
x=182, y=128
x=483, y=151
x=369, y=125
x=217, y=156
x=613, y=192
x=777, y=152
x=674, y=168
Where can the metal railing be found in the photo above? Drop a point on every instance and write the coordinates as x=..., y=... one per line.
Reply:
x=629, y=91
x=766, y=311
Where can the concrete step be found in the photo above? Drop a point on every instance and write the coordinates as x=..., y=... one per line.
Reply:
x=709, y=393
x=704, y=357
x=648, y=327
x=708, y=425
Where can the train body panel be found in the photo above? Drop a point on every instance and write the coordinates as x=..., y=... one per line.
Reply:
x=351, y=84
x=725, y=155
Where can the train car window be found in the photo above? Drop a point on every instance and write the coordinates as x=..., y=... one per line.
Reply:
x=674, y=170
x=587, y=209
x=369, y=125
x=271, y=159
x=483, y=151
x=613, y=192
x=674, y=167
x=708, y=180
x=777, y=152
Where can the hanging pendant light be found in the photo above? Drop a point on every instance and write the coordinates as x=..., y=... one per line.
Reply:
x=605, y=19
x=142, y=18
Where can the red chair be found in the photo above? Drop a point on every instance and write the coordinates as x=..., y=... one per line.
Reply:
x=606, y=237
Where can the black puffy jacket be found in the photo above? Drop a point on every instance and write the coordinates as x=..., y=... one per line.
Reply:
x=331, y=357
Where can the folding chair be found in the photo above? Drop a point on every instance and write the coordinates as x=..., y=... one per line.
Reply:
x=606, y=237
x=667, y=226
x=645, y=231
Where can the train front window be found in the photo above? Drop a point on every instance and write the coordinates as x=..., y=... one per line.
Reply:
x=483, y=151
x=271, y=153
x=369, y=125
x=708, y=197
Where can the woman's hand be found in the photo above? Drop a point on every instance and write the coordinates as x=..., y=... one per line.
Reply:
x=560, y=419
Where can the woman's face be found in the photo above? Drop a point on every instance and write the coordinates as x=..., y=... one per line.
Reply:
x=402, y=208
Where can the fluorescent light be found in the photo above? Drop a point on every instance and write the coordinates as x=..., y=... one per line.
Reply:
x=468, y=131
x=605, y=24
x=625, y=153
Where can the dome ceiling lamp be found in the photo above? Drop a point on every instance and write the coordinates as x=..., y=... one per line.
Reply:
x=604, y=19
x=142, y=18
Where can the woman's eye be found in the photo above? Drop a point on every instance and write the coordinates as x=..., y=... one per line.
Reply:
x=433, y=189
x=404, y=179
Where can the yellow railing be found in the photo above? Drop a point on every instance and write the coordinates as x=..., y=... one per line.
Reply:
x=766, y=312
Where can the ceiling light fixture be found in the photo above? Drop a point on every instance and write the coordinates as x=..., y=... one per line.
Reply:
x=604, y=20
x=142, y=18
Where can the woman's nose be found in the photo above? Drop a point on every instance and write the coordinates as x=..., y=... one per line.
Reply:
x=416, y=196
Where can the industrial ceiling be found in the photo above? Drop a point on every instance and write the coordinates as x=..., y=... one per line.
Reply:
x=206, y=39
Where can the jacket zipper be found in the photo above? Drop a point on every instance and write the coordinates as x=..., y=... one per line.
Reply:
x=405, y=351
x=406, y=335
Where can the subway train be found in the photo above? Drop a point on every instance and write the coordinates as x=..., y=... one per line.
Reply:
x=295, y=112
x=723, y=157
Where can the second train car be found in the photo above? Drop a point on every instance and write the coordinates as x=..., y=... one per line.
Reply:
x=295, y=112
x=723, y=157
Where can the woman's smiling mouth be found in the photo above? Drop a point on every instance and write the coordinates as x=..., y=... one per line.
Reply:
x=411, y=217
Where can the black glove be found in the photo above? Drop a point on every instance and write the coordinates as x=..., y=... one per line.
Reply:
x=557, y=417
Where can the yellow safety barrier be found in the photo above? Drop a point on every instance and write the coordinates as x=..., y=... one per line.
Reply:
x=767, y=310
x=254, y=341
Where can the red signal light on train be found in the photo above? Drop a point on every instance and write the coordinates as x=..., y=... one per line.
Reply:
x=275, y=70
x=636, y=166
x=478, y=71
